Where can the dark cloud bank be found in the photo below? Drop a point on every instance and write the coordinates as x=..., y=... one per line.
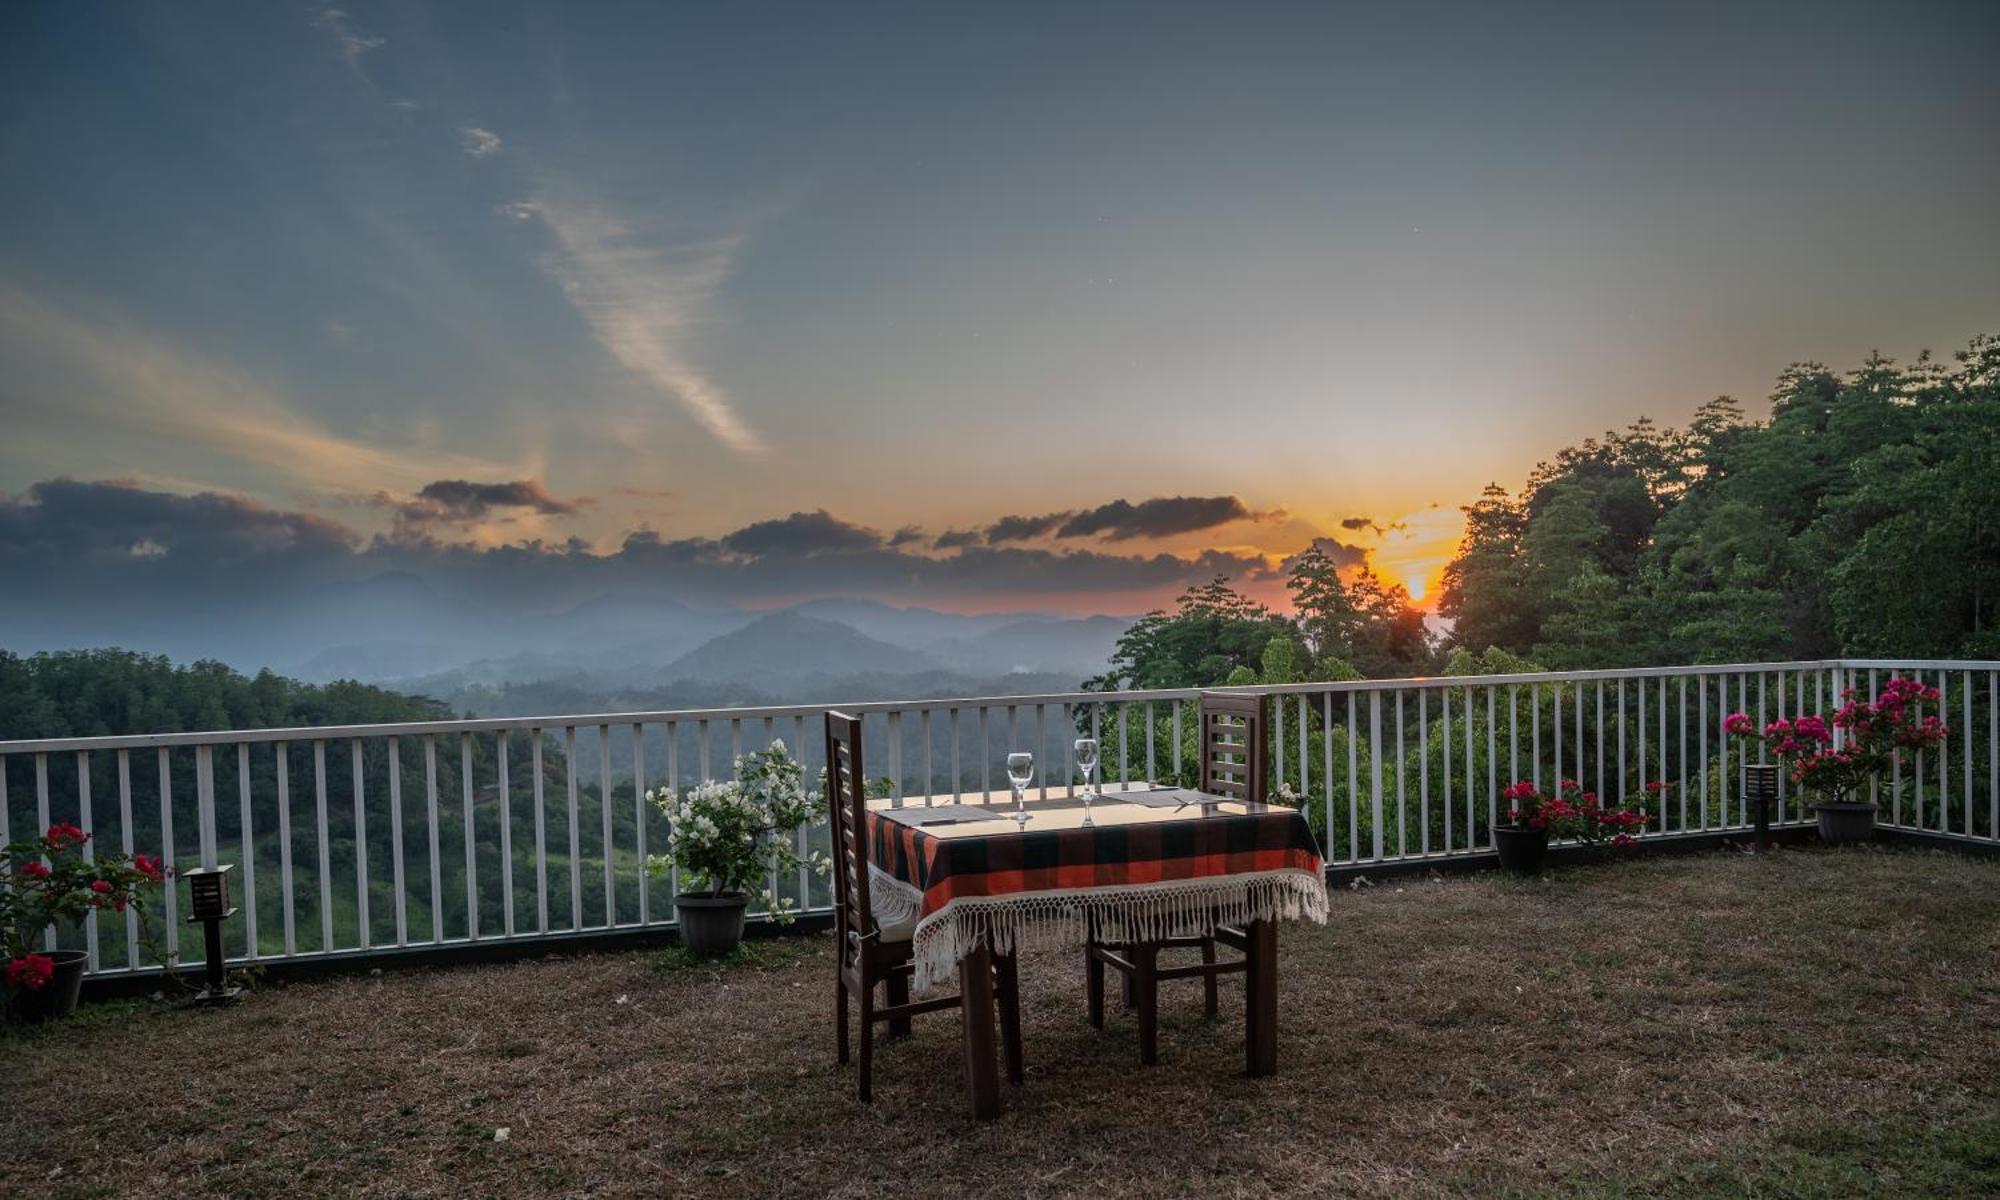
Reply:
x=94, y=562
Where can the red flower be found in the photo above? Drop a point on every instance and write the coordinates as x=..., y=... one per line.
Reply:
x=148, y=866
x=66, y=835
x=1656, y=787
x=1624, y=839
x=35, y=869
x=100, y=886
x=31, y=973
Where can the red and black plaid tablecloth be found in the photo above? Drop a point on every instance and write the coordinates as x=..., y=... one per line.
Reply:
x=1164, y=878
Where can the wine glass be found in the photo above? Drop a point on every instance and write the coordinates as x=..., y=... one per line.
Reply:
x=1086, y=761
x=1020, y=770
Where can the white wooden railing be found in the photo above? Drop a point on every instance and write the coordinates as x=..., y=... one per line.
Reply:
x=340, y=856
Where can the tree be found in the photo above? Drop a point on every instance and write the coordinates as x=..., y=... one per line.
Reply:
x=1213, y=630
x=1859, y=518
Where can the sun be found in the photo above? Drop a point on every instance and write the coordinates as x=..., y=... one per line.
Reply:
x=1415, y=584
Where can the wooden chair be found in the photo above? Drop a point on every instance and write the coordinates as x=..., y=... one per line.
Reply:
x=1232, y=751
x=871, y=953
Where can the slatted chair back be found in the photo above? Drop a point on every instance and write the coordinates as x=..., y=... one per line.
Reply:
x=1233, y=746
x=847, y=799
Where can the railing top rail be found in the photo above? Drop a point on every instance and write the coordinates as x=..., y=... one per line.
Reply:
x=313, y=733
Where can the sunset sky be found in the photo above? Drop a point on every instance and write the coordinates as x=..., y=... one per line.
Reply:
x=842, y=287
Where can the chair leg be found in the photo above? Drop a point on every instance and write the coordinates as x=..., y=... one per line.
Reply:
x=1145, y=960
x=899, y=993
x=1130, y=996
x=867, y=999
x=840, y=1019
x=1093, y=986
x=1208, y=1004
x=1008, y=977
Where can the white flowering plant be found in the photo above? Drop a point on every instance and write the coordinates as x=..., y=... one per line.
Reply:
x=725, y=837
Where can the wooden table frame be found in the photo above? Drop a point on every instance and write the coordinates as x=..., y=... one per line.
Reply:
x=981, y=1038
x=982, y=1078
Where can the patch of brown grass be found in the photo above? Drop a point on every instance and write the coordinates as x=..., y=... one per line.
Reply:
x=1601, y=1028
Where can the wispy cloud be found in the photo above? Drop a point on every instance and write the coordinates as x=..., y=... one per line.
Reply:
x=350, y=42
x=479, y=143
x=643, y=299
x=118, y=378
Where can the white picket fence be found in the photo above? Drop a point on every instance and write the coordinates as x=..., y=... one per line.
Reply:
x=357, y=842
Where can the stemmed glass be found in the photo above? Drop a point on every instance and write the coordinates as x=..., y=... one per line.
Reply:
x=1086, y=761
x=1020, y=770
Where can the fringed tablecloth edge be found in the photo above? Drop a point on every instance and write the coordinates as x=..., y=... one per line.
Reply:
x=1127, y=913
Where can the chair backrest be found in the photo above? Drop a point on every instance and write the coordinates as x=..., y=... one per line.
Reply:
x=1232, y=746
x=847, y=798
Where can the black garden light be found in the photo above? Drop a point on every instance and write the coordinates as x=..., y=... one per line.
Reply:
x=1760, y=789
x=208, y=898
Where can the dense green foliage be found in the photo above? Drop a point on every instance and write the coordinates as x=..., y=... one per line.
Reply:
x=93, y=693
x=1862, y=518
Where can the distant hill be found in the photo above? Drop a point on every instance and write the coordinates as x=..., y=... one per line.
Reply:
x=911, y=628
x=1074, y=647
x=787, y=646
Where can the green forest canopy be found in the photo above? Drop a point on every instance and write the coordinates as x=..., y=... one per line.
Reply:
x=1862, y=518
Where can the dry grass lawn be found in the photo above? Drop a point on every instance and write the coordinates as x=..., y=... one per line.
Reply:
x=1812, y=1023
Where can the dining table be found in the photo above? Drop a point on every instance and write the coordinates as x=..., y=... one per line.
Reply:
x=1139, y=863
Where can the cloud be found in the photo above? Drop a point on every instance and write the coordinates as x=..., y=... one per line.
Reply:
x=1122, y=520
x=1163, y=516
x=85, y=560
x=1021, y=529
x=125, y=383
x=479, y=143
x=119, y=519
x=461, y=500
x=802, y=533
x=1343, y=555
x=643, y=301
x=908, y=535
x=350, y=43
x=954, y=539
x=1358, y=524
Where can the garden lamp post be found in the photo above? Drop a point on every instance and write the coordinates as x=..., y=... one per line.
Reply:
x=208, y=901
x=1760, y=789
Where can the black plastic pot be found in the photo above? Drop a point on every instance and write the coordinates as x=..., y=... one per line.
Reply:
x=1845, y=821
x=1521, y=849
x=56, y=998
x=711, y=922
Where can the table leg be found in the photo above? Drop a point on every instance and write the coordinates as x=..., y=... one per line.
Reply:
x=1260, y=1015
x=1146, y=987
x=975, y=989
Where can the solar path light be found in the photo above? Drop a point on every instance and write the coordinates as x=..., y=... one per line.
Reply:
x=208, y=900
x=1760, y=791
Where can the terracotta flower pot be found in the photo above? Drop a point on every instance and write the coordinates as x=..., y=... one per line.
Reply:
x=711, y=922
x=56, y=998
x=1520, y=848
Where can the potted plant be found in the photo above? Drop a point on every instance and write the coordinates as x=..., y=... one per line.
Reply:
x=727, y=838
x=1834, y=761
x=1570, y=813
x=45, y=879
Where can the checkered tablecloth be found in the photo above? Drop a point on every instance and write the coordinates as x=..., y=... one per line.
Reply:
x=1171, y=877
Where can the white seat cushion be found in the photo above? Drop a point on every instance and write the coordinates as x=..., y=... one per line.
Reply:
x=896, y=931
